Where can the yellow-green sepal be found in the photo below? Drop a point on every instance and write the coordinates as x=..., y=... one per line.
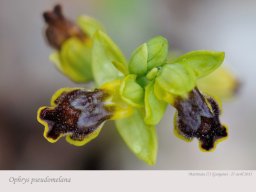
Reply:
x=104, y=53
x=131, y=92
x=154, y=107
x=163, y=95
x=139, y=137
x=202, y=62
x=89, y=25
x=176, y=79
x=74, y=60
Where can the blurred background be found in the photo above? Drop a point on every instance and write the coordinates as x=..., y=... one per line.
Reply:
x=28, y=80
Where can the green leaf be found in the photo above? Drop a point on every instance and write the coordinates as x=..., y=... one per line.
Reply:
x=89, y=25
x=157, y=52
x=131, y=91
x=75, y=60
x=138, y=61
x=154, y=108
x=104, y=53
x=140, y=138
x=202, y=62
x=176, y=79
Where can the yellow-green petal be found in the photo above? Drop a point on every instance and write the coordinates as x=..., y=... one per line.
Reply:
x=131, y=91
x=176, y=79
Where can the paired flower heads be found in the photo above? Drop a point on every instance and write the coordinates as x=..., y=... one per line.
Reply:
x=135, y=94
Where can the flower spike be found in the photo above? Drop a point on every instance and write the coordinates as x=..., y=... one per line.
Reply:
x=134, y=93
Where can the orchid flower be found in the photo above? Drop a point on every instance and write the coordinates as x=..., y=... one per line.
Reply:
x=134, y=93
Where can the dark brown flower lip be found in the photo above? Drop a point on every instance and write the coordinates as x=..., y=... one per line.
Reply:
x=77, y=113
x=59, y=28
x=198, y=116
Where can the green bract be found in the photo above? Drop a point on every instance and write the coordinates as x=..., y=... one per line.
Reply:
x=104, y=53
x=139, y=137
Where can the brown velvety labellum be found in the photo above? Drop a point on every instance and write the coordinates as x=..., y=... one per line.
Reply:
x=198, y=116
x=77, y=113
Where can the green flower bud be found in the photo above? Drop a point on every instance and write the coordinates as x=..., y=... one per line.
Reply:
x=157, y=52
x=148, y=56
x=139, y=60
